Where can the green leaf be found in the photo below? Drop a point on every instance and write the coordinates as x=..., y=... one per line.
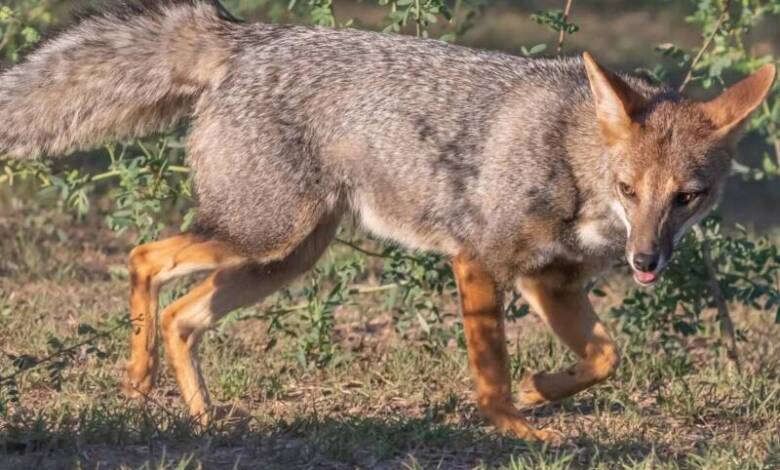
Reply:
x=598, y=293
x=769, y=165
x=5, y=13
x=448, y=37
x=30, y=35
x=84, y=329
x=717, y=67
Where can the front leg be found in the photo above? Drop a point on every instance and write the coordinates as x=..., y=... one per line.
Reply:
x=568, y=312
x=483, y=322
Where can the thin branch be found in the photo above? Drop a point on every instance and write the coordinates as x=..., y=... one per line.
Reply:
x=114, y=173
x=223, y=10
x=354, y=290
x=724, y=318
x=360, y=249
x=707, y=42
x=372, y=289
x=6, y=38
x=777, y=151
x=562, y=34
x=50, y=357
x=372, y=253
x=418, y=17
x=772, y=129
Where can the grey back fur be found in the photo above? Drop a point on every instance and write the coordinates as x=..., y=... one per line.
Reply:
x=436, y=146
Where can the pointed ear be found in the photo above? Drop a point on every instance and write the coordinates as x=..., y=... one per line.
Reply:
x=729, y=111
x=616, y=102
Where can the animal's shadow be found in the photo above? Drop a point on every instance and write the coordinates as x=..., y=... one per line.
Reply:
x=315, y=441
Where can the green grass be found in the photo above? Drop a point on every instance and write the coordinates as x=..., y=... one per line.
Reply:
x=388, y=401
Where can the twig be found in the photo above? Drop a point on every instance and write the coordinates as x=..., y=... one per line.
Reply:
x=222, y=9
x=372, y=289
x=723, y=14
x=772, y=129
x=777, y=150
x=372, y=253
x=114, y=173
x=562, y=34
x=39, y=362
x=354, y=290
x=360, y=249
x=6, y=38
x=724, y=318
x=418, y=18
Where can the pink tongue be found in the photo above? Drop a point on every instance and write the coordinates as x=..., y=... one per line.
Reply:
x=644, y=278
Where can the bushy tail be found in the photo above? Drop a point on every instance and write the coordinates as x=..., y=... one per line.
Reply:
x=124, y=73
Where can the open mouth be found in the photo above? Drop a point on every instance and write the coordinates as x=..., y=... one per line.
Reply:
x=645, y=279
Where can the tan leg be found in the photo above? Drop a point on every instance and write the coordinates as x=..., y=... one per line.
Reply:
x=151, y=266
x=570, y=315
x=483, y=322
x=184, y=322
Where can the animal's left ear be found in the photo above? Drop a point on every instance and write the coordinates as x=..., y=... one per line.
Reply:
x=729, y=111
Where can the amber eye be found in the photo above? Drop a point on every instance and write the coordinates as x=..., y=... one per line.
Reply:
x=683, y=199
x=626, y=190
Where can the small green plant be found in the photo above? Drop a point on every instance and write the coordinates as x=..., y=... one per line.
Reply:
x=60, y=355
x=315, y=345
x=20, y=22
x=422, y=279
x=556, y=20
x=320, y=11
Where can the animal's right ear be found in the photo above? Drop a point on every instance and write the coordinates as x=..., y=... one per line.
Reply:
x=616, y=102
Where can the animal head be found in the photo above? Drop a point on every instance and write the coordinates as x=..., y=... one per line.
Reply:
x=669, y=157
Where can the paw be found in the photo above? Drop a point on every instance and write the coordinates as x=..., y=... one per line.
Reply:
x=137, y=388
x=529, y=394
x=138, y=382
x=509, y=420
x=551, y=437
x=519, y=428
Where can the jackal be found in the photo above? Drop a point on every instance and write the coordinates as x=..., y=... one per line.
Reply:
x=527, y=172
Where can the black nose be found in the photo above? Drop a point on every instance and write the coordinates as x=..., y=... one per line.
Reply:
x=646, y=262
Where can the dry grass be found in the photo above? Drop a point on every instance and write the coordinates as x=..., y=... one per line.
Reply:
x=388, y=401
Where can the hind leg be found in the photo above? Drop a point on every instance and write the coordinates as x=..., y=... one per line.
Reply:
x=151, y=266
x=184, y=322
